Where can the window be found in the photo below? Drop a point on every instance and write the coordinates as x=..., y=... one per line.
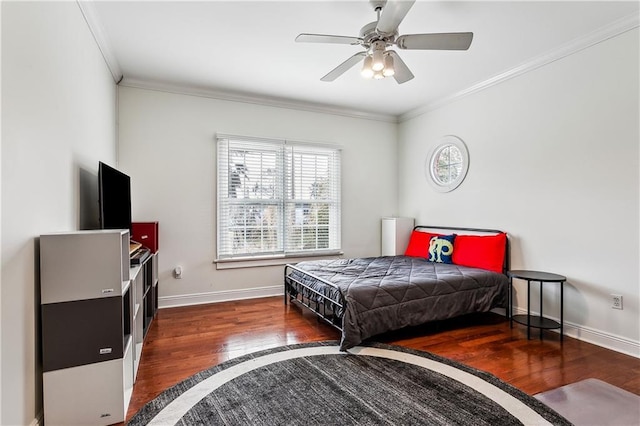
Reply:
x=447, y=164
x=277, y=198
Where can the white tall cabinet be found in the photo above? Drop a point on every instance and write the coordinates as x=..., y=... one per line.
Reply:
x=90, y=307
x=395, y=235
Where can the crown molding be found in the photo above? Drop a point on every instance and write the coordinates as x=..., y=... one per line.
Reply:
x=604, y=33
x=91, y=18
x=87, y=7
x=255, y=99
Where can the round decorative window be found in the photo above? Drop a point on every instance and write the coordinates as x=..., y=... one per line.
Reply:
x=447, y=164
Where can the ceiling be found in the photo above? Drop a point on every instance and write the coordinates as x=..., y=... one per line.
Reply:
x=246, y=49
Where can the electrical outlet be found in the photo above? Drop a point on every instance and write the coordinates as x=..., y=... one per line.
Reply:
x=177, y=272
x=616, y=301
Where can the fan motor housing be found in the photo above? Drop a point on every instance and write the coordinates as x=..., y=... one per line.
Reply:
x=369, y=35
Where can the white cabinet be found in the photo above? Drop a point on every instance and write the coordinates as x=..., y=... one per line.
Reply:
x=83, y=265
x=92, y=394
x=88, y=331
x=395, y=235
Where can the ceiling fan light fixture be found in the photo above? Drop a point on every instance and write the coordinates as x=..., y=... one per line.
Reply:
x=376, y=37
x=388, y=70
x=378, y=60
x=367, y=71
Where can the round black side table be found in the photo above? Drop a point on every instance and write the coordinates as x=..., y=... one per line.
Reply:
x=536, y=321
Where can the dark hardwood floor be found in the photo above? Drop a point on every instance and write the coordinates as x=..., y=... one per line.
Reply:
x=183, y=341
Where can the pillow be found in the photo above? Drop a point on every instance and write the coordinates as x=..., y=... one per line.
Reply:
x=419, y=244
x=480, y=251
x=441, y=248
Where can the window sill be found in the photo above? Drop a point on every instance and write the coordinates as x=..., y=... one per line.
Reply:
x=255, y=262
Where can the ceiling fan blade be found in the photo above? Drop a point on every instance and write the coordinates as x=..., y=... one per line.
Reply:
x=392, y=14
x=326, y=38
x=344, y=67
x=440, y=41
x=402, y=71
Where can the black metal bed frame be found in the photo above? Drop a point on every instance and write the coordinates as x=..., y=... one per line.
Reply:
x=326, y=307
x=320, y=303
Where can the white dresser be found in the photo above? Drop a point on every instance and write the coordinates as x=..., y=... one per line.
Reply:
x=395, y=235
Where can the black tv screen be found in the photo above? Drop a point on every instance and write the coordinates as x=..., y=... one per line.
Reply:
x=114, y=196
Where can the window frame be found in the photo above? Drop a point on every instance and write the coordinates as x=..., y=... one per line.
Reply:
x=433, y=157
x=285, y=148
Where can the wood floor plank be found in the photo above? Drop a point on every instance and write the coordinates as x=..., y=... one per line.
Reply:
x=183, y=341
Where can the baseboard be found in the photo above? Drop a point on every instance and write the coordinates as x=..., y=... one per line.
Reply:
x=597, y=337
x=219, y=296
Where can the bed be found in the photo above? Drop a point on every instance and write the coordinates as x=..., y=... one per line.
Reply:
x=364, y=297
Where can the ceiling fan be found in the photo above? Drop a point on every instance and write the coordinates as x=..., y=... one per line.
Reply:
x=377, y=37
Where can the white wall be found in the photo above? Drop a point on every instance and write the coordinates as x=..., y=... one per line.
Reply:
x=553, y=161
x=58, y=120
x=167, y=146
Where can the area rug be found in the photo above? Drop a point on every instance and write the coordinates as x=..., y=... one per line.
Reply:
x=315, y=383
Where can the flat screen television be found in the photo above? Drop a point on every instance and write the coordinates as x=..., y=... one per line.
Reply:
x=114, y=197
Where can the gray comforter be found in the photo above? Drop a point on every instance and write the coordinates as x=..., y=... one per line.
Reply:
x=391, y=292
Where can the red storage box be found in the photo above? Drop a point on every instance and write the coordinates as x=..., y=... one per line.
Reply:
x=146, y=233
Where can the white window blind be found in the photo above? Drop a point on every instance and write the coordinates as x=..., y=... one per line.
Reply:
x=277, y=198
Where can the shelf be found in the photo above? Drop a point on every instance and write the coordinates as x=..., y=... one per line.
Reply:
x=136, y=359
x=537, y=322
x=128, y=393
x=127, y=342
x=125, y=286
x=133, y=270
x=138, y=350
x=147, y=323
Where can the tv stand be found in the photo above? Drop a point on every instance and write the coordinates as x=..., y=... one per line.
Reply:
x=96, y=310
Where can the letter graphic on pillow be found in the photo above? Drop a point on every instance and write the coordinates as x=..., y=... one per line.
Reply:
x=441, y=249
